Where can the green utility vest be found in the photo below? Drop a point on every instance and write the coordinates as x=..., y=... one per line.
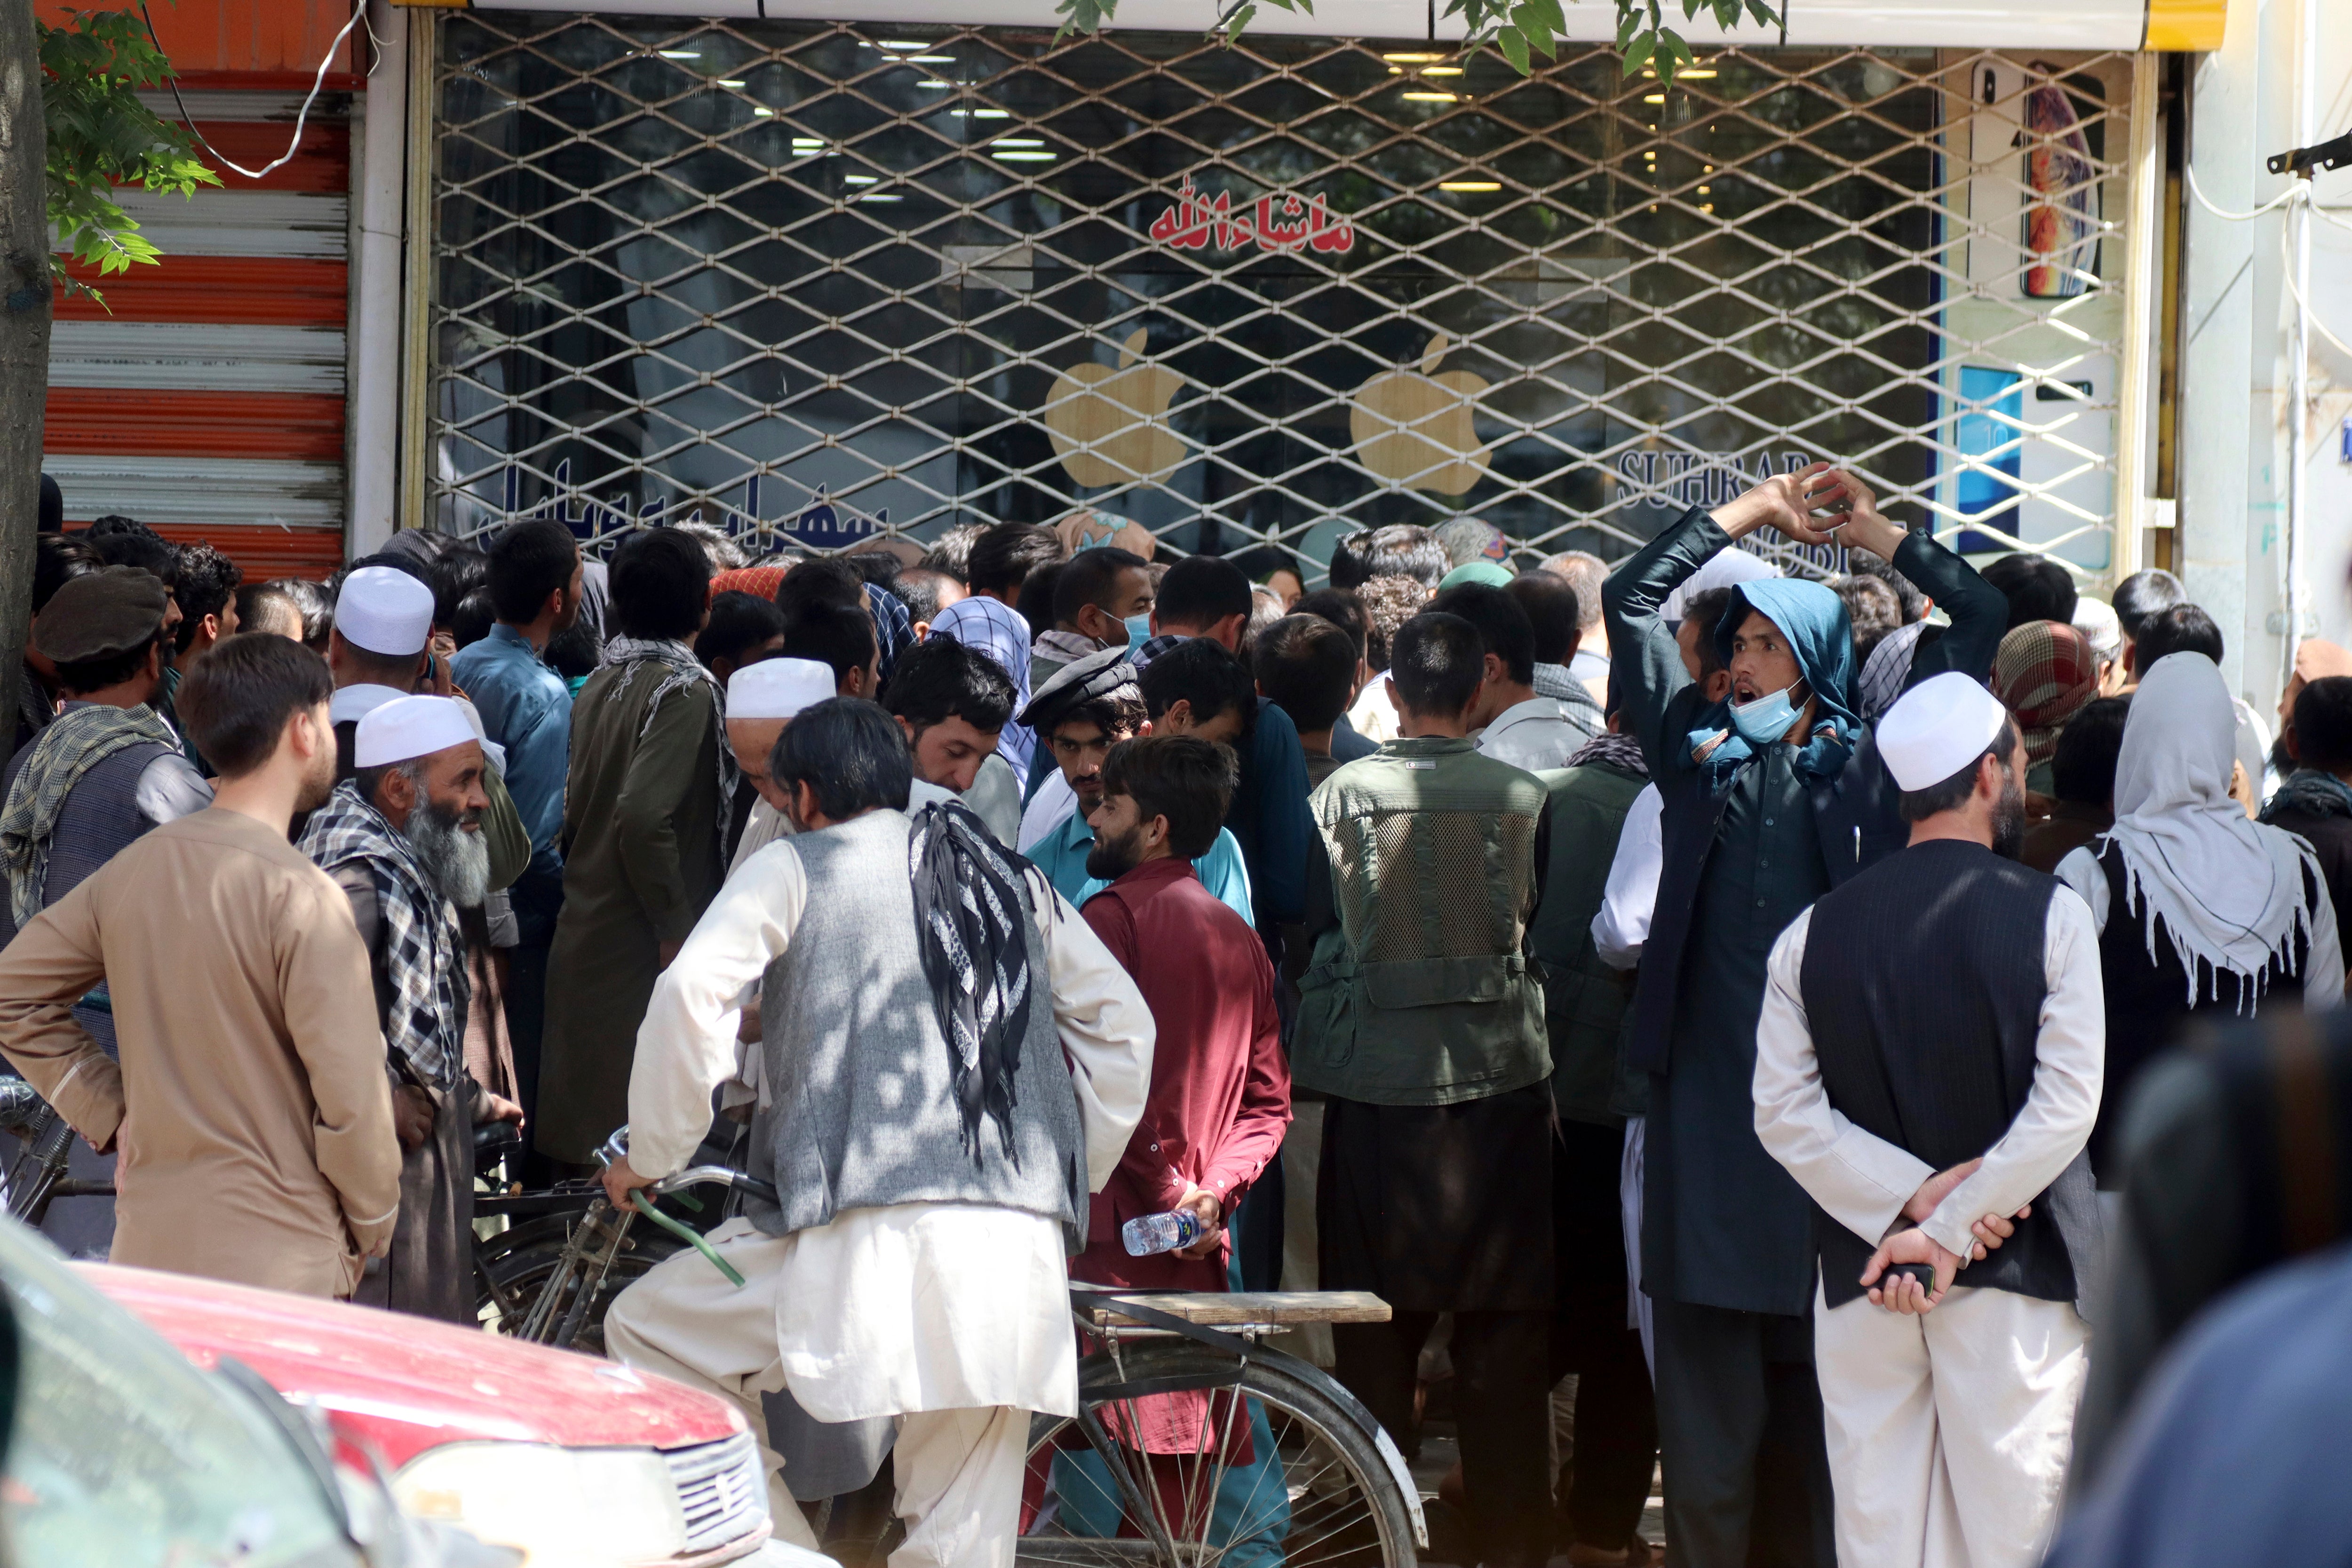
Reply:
x=1423, y=994
x=1585, y=1000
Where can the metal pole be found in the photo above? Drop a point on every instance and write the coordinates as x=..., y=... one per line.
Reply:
x=2299, y=343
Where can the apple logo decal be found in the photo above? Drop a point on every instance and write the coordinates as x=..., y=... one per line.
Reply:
x=1413, y=426
x=1110, y=427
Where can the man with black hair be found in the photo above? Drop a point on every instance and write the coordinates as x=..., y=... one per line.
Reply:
x=2037, y=588
x=1397, y=548
x=642, y=823
x=1079, y=715
x=206, y=592
x=953, y=703
x=1421, y=1021
x=1220, y=1094
x=121, y=541
x=1102, y=599
x=841, y=638
x=2082, y=780
x=2314, y=800
x=57, y=559
x=925, y=591
x=1928, y=1065
x=1515, y=725
x=105, y=773
x=950, y=552
x=1307, y=666
x=742, y=628
x=1206, y=600
x=1344, y=608
x=943, y=1083
x=538, y=587
x=249, y=1065
x=1003, y=557
x=1557, y=616
x=825, y=581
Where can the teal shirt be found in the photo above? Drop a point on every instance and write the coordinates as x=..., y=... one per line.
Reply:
x=1062, y=856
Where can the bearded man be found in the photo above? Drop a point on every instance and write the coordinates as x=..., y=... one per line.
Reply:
x=404, y=840
x=1928, y=1064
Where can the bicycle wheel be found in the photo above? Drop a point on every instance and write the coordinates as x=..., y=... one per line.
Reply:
x=1280, y=1476
x=520, y=1262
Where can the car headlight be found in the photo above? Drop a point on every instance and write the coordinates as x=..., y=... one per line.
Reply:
x=561, y=1507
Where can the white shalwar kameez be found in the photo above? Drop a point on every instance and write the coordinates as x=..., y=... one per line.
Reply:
x=954, y=1319
x=1948, y=1434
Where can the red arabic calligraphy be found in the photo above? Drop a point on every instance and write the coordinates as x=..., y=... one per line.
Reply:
x=1280, y=222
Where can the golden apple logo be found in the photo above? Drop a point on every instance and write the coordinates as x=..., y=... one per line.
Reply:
x=1413, y=426
x=1110, y=427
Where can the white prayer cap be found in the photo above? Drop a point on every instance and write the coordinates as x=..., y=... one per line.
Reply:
x=385, y=610
x=1938, y=727
x=778, y=688
x=407, y=728
x=2101, y=628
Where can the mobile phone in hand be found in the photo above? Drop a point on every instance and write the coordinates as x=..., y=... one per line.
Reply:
x=1923, y=1272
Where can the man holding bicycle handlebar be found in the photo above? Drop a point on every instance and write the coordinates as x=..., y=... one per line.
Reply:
x=942, y=1084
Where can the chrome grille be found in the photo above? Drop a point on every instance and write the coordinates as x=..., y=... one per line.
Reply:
x=810, y=280
x=721, y=1490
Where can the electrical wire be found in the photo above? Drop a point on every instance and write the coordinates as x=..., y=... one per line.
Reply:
x=2280, y=200
x=359, y=12
x=2298, y=192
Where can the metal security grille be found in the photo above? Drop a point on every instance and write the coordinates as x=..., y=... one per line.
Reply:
x=810, y=281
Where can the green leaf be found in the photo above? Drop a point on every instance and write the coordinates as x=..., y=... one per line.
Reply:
x=1082, y=16
x=1514, y=44
x=1531, y=28
x=1629, y=22
x=1764, y=15
x=1638, y=55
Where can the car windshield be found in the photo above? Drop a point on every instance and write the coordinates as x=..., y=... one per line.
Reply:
x=125, y=1453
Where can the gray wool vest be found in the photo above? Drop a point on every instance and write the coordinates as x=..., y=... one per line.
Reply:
x=859, y=1112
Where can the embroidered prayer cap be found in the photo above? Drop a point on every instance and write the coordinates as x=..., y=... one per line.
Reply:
x=407, y=728
x=1485, y=572
x=1938, y=727
x=2101, y=628
x=778, y=688
x=99, y=614
x=1097, y=674
x=385, y=610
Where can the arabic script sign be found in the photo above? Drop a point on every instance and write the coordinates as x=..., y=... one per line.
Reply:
x=1280, y=222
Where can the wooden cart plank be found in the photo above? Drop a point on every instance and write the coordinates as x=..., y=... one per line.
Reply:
x=1215, y=1308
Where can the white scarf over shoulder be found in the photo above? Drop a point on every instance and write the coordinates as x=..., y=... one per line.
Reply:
x=2232, y=891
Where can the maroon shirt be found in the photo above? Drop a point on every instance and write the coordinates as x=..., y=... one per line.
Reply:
x=1220, y=1093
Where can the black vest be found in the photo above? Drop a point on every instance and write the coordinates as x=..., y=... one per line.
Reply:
x=2149, y=998
x=1923, y=983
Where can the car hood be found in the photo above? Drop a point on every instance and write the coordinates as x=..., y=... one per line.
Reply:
x=402, y=1384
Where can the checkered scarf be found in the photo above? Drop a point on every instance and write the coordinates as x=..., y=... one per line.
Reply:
x=684, y=670
x=2044, y=673
x=968, y=907
x=70, y=747
x=424, y=951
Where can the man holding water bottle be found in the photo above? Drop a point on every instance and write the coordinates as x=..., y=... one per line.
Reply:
x=1213, y=1117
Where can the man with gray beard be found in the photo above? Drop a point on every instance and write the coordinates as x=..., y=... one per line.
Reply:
x=404, y=839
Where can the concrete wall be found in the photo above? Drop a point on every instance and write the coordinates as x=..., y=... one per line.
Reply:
x=2235, y=452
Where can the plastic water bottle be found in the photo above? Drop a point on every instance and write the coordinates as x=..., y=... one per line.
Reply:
x=1160, y=1232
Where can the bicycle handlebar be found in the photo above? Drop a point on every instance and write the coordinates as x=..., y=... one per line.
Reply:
x=722, y=1175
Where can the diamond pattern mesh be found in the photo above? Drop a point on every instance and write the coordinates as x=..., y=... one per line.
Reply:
x=809, y=280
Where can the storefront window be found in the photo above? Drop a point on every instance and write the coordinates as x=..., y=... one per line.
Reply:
x=808, y=281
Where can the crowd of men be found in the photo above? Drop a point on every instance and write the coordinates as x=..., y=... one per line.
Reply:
x=1724, y=1016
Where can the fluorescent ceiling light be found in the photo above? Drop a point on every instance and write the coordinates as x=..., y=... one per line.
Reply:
x=1413, y=59
x=931, y=59
x=1431, y=97
x=1443, y=70
x=1470, y=184
x=724, y=81
x=935, y=84
x=681, y=54
x=1017, y=141
x=1654, y=98
x=861, y=179
x=877, y=197
x=900, y=43
x=1026, y=157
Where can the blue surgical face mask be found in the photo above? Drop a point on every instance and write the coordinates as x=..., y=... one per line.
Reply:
x=1138, y=631
x=1766, y=720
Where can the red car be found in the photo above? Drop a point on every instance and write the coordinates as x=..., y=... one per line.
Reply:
x=576, y=1462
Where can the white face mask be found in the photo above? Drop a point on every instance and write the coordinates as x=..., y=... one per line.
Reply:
x=1767, y=718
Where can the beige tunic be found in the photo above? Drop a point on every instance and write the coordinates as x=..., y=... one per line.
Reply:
x=249, y=1108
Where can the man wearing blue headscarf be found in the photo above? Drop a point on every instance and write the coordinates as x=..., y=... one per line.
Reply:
x=1771, y=798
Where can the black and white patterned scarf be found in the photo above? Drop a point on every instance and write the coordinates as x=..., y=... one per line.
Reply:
x=1623, y=753
x=969, y=906
x=684, y=670
x=424, y=950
